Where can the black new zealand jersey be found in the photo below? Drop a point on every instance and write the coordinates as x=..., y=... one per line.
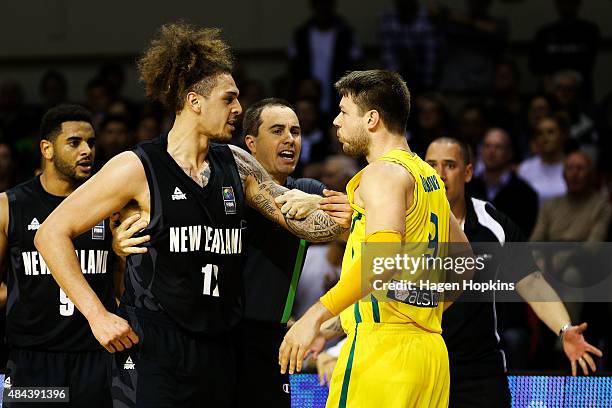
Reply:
x=39, y=314
x=191, y=273
x=471, y=328
x=274, y=262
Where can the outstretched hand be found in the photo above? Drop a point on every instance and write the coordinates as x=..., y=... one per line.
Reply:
x=577, y=349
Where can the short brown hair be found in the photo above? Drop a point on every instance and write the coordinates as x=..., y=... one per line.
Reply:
x=380, y=90
x=183, y=59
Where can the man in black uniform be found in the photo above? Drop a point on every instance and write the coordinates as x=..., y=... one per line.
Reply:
x=275, y=257
x=183, y=297
x=477, y=363
x=51, y=344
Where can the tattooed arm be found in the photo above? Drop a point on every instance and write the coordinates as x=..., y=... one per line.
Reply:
x=261, y=190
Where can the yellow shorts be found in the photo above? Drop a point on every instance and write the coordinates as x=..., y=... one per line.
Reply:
x=391, y=366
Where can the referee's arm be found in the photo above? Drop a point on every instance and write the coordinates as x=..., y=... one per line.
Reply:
x=549, y=308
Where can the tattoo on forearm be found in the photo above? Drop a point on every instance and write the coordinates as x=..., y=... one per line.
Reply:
x=317, y=227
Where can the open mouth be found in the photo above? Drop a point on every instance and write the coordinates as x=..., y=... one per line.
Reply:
x=287, y=156
x=85, y=166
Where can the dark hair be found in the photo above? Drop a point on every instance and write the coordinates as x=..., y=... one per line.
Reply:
x=562, y=119
x=464, y=148
x=183, y=59
x=380, y=90
x=51, y=123
x=252, y=116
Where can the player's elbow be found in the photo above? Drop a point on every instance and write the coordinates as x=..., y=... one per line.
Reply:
x=42, y=238
x=45, y=236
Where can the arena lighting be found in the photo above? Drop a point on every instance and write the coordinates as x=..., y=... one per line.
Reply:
x=527, y=391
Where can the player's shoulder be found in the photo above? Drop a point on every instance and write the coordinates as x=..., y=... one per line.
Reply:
x=386, y=174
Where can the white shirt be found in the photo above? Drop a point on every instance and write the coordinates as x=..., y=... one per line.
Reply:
x=546, y=179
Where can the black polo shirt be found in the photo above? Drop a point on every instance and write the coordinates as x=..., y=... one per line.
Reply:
x=471, y=329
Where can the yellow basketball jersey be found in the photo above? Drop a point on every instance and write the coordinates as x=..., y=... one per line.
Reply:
x=427, y=221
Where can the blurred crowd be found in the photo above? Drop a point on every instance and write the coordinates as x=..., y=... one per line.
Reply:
x=542, y=156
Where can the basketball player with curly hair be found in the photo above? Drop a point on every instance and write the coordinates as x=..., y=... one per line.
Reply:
x=183, y=297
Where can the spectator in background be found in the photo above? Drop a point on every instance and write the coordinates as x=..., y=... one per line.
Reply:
x=113, y=75
x=505, y=105
x=473, y=123
x=538, y=107
x=544, y=171
x=53, y=90
x=98, y=98
x=430, y=121
x=566, y=87
x=315, y=141
x=409, y=43
x=113, y=138
x=337, y=171
x=148, y=128
x=580, y=215
x=8, y=167
x=568, y=43
x=17, y=120
x=603, y=125
x=500, y=185
x=474, y=41
x=324, y=48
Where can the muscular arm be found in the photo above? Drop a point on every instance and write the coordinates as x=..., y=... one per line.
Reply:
x=118, y=182
x=261, y=190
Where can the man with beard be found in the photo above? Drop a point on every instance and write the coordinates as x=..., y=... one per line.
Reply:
x=394, y=355
x=50, y=342
x=185, y=293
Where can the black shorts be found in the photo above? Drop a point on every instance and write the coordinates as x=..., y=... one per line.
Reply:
x=86, y=374
x=481, y=392
x=170, y=368
x=259, y=379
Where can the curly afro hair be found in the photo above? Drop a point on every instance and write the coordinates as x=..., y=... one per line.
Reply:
x=182, y=59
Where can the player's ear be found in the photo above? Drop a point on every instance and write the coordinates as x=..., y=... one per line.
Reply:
x=250, y=142
x=373, y=119
x=46, y=149
x=192, y=102
x=469, y=172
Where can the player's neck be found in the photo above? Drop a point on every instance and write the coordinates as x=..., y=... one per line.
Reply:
x=56, y=184
x=186, y=144
x=383, y=143
x=458, y=209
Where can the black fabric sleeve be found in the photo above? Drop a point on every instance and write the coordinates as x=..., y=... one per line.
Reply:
x=517, y=260
x=307, y=185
